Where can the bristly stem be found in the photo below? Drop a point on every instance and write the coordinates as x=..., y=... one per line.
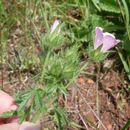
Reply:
x=44, y=66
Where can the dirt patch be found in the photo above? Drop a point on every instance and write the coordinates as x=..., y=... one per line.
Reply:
x=102, y=105
x=91, y=104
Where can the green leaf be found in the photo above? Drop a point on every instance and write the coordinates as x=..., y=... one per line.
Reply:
x=124, y=62
x=25, y=99
x=109, y=6
x=97, y=20
x=127, y=17
x=8, y=114
x=75, y=125
x=96, y=2
x=126, y=127
x=96, y=54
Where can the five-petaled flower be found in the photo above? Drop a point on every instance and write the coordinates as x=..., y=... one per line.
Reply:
x=107, y=40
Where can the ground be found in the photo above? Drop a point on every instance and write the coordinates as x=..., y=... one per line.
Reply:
x=100, y=97
x=101, y=102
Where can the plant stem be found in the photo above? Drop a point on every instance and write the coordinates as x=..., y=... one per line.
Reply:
x=56, y=105
x=44, y=66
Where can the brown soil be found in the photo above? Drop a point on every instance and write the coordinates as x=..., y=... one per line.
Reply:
x=101, y=104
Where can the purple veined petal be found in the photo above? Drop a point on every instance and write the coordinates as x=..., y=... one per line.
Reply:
x=109, y=41
x=98, y=37
x=54, y=26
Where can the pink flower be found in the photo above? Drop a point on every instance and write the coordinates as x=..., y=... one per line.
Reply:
x=107, y=40
x=55, y=25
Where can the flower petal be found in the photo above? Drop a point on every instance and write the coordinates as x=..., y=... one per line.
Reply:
x=98, y=37
x=109, y=41
x=55, y=25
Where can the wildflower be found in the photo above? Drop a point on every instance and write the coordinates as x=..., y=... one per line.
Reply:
x=107, y=40
x=55, y=25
